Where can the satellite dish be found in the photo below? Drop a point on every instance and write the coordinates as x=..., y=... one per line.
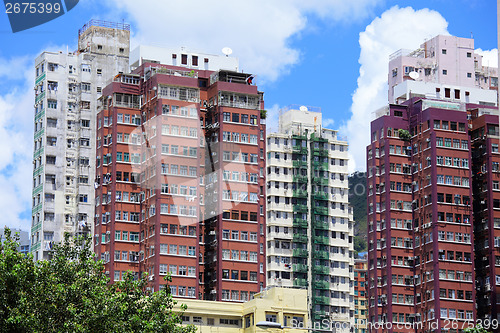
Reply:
x=414, y=75
x=227, y=51
x=303, y=108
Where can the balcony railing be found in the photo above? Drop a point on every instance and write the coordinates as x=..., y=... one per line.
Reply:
x=320, y=210
x=320, y=196
x=300, y=238
x=321, y=240
x=300, y=283
x=321, y=285
x=321, y=300
x=299, y=164
x=299, y=179
x=300, y=223
x=321, y=255
x=300, y=253
x=300, y=208
x=300, y=193
x=321, y=225
x=320, y=180
x=299, y=268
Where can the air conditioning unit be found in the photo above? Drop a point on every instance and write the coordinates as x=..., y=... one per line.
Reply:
x=151, y=278
x=327, y=313
x=213, y=291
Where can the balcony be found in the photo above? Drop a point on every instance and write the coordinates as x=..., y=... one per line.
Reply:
x=300, y=283
x=300, y=208
x=320, y=210
x=299, y=164
x=299, y=136
x=320, y=152
x=300, y=253
x=321, y=269
x=320, y=180
x=300, y=194
x=299, y=149
x=320, y=165
x=321, y=225
x=321, y=285
x=318, y=315
x=299, y=268
x=299, y=179
x=321, y=300
x=322, y=240
x=300, y=223
x=299, y=238
x=320, y=196
x=321, y=255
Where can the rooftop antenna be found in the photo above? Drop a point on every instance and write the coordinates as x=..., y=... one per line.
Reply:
x=227, y=51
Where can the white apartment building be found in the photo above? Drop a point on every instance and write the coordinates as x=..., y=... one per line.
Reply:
x=67, y=87
x=310, y=224
x=444, y=67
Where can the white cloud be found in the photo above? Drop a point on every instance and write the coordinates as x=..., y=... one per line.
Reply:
x=490, y=57
x=328, y=122
x=258, y=31
x=16, y=134
x=272, y=120
x=397, y=28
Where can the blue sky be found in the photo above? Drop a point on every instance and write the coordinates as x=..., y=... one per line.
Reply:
x=326, y=53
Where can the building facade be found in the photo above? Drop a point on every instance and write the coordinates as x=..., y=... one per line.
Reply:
x=271, y=309
x=23, y=239
x=420, y=256
x=309, y=221
x=360, y=296
x=180, y=181
x=486, y=209
x=444, y=67
x=66, y=90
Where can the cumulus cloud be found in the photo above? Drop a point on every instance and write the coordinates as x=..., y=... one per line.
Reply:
x=258, y=31
x=273, y=117
x=16, y=134
x=328, y=122
x=490, y=57
x=397, y=28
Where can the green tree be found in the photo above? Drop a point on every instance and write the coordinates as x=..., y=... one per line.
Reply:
x=16, y=275
x=71, y=293
x=359, y=244
x=476, y=329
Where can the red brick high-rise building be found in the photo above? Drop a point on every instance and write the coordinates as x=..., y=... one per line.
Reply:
x=180, y=180
x=420, y=257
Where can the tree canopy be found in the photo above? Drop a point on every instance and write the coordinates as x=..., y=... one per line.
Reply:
x=71, y=293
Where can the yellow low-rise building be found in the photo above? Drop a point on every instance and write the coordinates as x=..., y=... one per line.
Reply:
x=272, y=310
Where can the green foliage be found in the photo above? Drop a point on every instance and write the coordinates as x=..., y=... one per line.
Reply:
x=263, y=114
x=358, y=200
x=404, y=135
x=476, y=329
x=71, y=293
x=359, y=244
